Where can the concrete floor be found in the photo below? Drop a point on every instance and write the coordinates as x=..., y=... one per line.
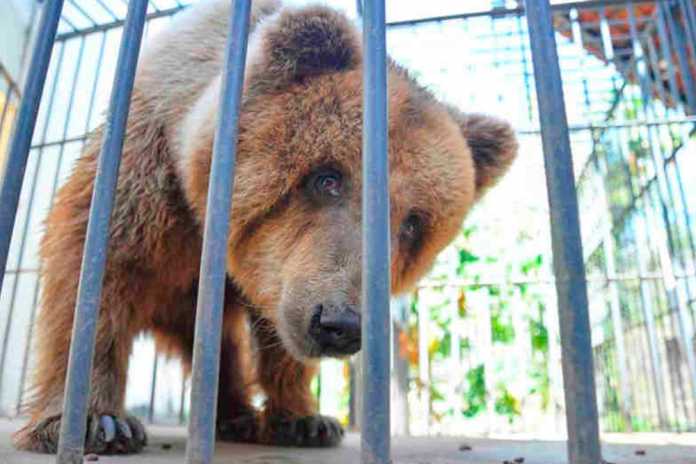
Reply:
x=167, y=446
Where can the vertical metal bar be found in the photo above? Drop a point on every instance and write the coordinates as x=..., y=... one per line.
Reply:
x=54, y=188
x=689, y=17
x=613, y=297
x=182, y=400
x=376, y=280
x=639, y=234
x=77, y=388
x=569, y=268
x=666, y=51
x=206, y=349
x=525, y=68
x=679, y=42
x=153, y=390
x=16, y=163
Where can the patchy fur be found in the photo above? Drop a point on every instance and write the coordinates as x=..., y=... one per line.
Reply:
x=289, y=250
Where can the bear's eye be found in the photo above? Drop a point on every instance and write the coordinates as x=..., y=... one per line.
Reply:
x=327, y=183
x=411, y=229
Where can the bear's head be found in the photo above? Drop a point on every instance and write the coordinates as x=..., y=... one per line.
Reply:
x=295, y=241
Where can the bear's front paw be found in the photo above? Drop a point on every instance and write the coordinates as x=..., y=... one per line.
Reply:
x=106, y=434
x=308, y=431
x=243, y=428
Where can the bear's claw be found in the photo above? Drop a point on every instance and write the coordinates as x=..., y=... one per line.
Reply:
x=105, y=434
x=243, y=429
x=309, y=431
x=114, y=435
x=282, y=430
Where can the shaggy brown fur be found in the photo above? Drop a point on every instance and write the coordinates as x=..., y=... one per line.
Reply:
x=289, y=249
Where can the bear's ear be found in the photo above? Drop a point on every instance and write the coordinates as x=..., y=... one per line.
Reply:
x=493, y=146
x=296, y=43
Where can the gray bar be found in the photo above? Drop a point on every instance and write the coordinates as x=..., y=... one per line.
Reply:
x=77, y=388
x=569, y=268
x=679, y=41
x=376, y=325
x=206, y=348
x=16, y=164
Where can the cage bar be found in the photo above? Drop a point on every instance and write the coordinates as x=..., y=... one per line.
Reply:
x=77, y=387
x=569, y=268
x=211, y=292
x=376, y=321
x=13, y=176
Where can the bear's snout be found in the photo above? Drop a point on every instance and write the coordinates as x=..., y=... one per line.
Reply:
x=336, y=329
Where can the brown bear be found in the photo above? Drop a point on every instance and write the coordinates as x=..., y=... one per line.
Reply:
x=294, y=250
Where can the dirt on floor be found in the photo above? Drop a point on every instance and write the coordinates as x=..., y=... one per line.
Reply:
x=167, y=445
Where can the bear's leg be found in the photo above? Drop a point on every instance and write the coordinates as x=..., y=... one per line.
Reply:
x=174, y=331
x=109, y=429
x=289, y=417
x=236, y=418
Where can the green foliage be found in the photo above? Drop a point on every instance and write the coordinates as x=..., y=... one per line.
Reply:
x=502, y=330
x=532, y=265
x=539, y=335
x=475, y=396
x=507, y=405
x=465, y=258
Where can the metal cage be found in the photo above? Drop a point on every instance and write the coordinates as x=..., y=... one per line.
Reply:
x=644, y=255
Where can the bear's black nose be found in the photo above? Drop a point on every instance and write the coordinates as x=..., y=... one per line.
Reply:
x=336, y=329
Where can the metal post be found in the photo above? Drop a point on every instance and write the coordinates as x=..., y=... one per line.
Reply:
x=16, y=164
x=153, y=390
x=376, y=280
x=77, y=388
x=679, y=41
x=569, y=268
x=211, y=291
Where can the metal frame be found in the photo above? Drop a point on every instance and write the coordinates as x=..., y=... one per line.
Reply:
x=570, y=278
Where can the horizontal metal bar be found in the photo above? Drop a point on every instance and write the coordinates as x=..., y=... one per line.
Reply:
x=496, y=12
x=82, y=12
x=568, y=265
x=56, y=143
x=77, y=388
x=211, y=293
x=16, y=163
x=115, y=24
x=545, y=280
x=617, y=125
